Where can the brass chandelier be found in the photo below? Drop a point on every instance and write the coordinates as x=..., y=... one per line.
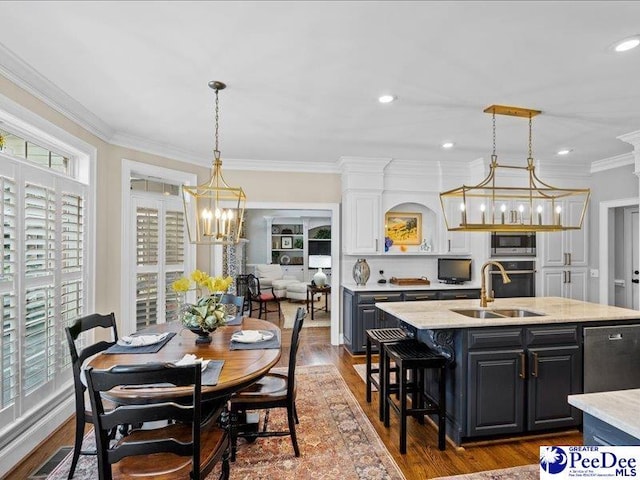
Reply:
x=214, y=211
x=525, y=204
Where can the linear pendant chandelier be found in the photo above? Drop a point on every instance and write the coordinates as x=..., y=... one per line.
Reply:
x=214, y=211
x=519, y=202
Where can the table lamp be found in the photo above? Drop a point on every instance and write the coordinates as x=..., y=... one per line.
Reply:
x=320, y=262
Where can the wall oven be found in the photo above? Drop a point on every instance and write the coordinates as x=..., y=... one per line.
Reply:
x=510, y=244
x=523, y=280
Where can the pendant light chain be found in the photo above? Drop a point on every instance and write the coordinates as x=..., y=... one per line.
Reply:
x=216, y=151
x=530, y=157
x=494, y=134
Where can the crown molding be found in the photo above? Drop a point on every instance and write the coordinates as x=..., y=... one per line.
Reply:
x=633, y=138
x=612, y=162
x=26, y=77
x=193, y=158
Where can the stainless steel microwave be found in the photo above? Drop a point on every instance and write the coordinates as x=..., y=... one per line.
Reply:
x=513, y=244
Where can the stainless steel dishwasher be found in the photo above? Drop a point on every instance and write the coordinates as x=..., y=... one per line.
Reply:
x=611, y=358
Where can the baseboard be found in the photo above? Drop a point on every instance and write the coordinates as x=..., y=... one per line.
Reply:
x=26, y=442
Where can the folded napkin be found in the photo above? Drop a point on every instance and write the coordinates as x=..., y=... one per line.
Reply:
x=142, y=340
x=248, y=336
x=190, y=359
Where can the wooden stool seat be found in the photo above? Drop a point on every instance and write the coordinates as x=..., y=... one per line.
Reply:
x=377, y=337
x=415, y=357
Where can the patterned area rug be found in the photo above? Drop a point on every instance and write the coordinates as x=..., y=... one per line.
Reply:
x=525, y=472
x=335, y=437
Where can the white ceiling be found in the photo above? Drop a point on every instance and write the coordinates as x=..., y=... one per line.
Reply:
x=303, y=77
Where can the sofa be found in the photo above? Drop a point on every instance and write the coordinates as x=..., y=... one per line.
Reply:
x=273, y=276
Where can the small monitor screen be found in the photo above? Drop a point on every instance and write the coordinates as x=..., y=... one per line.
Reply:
x=454, y=270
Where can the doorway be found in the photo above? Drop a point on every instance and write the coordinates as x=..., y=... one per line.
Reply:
x=328, y=211
x=619, y=253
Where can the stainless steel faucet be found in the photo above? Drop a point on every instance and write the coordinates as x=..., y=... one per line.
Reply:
x=484, y=299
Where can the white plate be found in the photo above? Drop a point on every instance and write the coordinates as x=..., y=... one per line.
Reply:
x=285, y=260
x=149, y=340
x=252, y=336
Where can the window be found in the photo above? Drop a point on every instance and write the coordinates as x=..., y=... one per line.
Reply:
x=42, y=283
x=157, y=244
x=13, y=144
x=45, y=269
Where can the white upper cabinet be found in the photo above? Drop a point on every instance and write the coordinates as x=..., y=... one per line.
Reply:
x=361, y=221
x=567, y=248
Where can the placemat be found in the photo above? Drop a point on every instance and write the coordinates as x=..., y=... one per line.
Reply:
x=209, y=377
x=236, y=321
x=273, y=343
x=113, y=349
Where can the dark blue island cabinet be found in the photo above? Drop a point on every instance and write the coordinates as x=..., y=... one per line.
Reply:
x=359, y=312
x=508, y=380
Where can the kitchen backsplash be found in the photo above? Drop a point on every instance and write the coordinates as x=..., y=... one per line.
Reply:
x=393, y=266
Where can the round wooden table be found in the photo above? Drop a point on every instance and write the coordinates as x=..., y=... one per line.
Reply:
x=241, y=367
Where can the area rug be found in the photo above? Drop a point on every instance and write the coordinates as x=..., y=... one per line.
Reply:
x=335, y=437
x=525, y=472
x=289, y=309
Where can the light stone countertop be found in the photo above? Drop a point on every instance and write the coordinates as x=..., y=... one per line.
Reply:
x=618, y=408
x=390, y=287
x=438, y=315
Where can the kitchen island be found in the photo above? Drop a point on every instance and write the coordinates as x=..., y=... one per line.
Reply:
x=610, y=418
x=513, y=364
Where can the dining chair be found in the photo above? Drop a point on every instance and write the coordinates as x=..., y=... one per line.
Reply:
x=274, y=390
x=264, y=297
x=78, y=358
x=235, y=304
x=242, y=287
x=182, y=446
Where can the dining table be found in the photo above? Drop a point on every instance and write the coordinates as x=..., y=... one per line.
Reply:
x=241, y=368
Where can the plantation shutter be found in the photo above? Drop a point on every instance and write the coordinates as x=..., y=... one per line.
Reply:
x=160, y=257
x=9, y=334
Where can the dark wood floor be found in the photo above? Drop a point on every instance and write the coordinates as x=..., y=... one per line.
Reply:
x=423, y=459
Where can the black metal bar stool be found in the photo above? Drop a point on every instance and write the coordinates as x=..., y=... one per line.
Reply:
x=377, y=337
x=414, y=357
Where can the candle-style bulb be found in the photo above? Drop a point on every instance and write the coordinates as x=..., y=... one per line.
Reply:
x=539, y=209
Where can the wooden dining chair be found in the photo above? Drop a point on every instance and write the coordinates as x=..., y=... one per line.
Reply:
x=83, y=411
x=264, y=297
x=274, y=390
x=182, y=447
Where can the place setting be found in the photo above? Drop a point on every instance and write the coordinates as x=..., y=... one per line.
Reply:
x=210, y=368
x=140, y=343
x=255, y=339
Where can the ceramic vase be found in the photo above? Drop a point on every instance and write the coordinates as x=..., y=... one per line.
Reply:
x=204, y=336
x=361, y=272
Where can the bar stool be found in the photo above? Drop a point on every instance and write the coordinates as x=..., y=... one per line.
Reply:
x=377, y=337
x=416, y=358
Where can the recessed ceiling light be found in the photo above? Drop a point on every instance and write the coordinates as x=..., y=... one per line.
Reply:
x=564, y=151
x=448, y=145
x=387, y=98
x=627, y=44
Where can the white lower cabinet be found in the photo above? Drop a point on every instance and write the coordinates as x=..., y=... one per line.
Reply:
x=567, y=283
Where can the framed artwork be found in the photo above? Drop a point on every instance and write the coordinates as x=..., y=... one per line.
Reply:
x=287, y=242
x=403, y=228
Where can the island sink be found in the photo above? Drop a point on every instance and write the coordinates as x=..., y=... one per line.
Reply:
x=497, y=313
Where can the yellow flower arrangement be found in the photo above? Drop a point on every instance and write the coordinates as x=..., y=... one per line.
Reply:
x=208, y=313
